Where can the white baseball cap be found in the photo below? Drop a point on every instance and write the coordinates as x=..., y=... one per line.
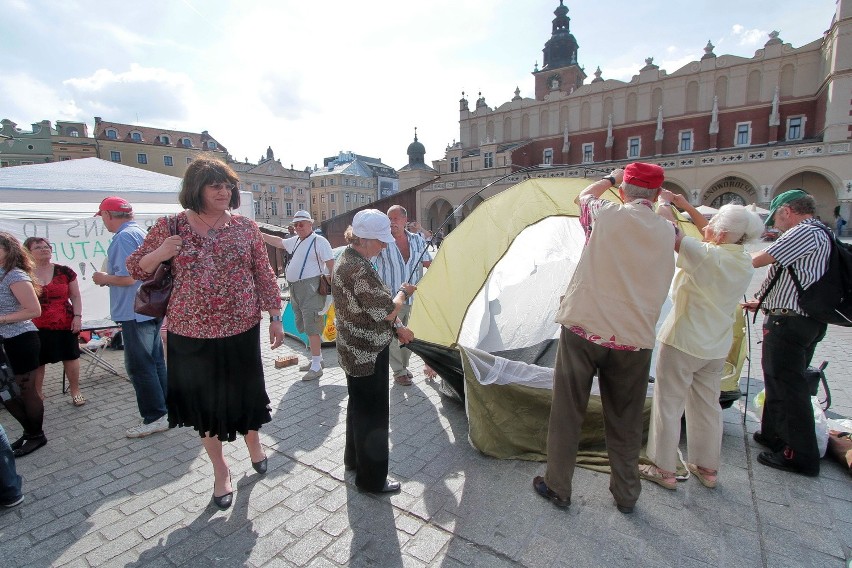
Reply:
x=302, y=216
x=372, y=224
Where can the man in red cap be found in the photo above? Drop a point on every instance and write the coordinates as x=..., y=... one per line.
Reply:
x=608, y=317
x=143, y=348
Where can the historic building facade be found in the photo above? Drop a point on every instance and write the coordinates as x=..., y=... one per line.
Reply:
x=153, y=149
x=725, y=128
x=348, y=181
x=20, y=148
x=278, y=192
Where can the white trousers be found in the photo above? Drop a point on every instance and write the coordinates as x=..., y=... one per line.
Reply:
x=399, y=356
x=684, y=382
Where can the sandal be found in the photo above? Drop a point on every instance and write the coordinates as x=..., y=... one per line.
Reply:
x=78, y=400
x=707, y=477
x=403, y=380
x=658, y=476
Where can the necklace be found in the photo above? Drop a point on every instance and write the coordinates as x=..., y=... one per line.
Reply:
x=212, y=232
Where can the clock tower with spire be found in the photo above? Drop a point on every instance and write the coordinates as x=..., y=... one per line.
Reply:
x=560, y=70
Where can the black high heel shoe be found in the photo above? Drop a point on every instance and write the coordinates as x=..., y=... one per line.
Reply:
x=261, y=466
x=223, y=502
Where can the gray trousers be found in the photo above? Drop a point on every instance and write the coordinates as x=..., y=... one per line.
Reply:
x=623, y=379
x=399, y=356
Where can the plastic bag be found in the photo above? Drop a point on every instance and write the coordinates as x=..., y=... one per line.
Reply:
x=820, y=421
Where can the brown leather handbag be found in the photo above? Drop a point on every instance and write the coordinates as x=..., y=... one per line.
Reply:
x=324, y=288
x=152, y=297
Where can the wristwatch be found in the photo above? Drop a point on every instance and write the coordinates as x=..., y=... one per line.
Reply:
x=274, y=318
x=611, y=179
x=398, y=324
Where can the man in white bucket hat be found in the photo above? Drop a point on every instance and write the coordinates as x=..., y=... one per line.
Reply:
x=311, y=256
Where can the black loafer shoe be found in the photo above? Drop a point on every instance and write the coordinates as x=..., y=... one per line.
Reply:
x=624, y=509
x=775, y=445
x=224, y=501
x=18, y=443
x=30, y=445
x=261, y=466
x=785, y=460
x=542, y=489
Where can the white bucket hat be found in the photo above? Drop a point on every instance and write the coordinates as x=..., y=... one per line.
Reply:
x=372, y=224
x=302, y=216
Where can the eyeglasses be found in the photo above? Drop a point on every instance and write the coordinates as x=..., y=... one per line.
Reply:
x=221, y=185
x=41, y=247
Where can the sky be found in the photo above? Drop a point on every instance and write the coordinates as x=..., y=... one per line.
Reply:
x=314, y=78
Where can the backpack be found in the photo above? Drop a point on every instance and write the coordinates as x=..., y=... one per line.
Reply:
x=829, y=299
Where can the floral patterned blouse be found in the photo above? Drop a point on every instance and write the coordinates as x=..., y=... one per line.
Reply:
x=222, y=283
x=55, y=300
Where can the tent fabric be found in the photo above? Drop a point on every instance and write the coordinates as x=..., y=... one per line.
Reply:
x=484, y=314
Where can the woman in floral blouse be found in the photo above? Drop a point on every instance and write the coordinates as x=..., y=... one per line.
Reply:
x=222, y=283
x=61, y=317
x=366, y=321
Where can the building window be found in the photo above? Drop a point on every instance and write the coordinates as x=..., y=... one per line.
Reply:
x=273, y=189
x=547, y=157
x=112, y=134
x=345, y=181
x=275, y=208
x=164, y=139
x=369, y=200
x=323, y=216
x=73, y=133
x=634, y=147
x=257, y=208
x=322, y=183
x=331, y=198
x=743, y=134
x=363, y=198
x=64, y=158
x=167, y=161
x=288, y=190
x=454, y=164
x=255, y=187
x=795, y=128
x=136, y=136
x=334, y=212
x=186, y=143
x=331, y=181
x=588, y=152
x=301, y=207
x=300, y=191
x=288, y=207
x=115, y=155
x=142, y=158
x=212, y=146
x=346, y=197
x=314, y=199
x=322, y=198
x=685, y=141
x=488, y=160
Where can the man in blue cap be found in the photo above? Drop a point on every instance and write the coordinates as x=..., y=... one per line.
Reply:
x=789, y=335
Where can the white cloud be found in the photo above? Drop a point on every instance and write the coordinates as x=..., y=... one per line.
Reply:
x=142, y=94
x=34, y=100
x=748, y=37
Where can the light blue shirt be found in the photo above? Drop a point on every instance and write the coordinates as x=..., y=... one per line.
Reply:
x=392, y=268
x=126, y=240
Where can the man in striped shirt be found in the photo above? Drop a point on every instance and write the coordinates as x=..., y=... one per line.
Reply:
x=402, y=262
x=789, y=335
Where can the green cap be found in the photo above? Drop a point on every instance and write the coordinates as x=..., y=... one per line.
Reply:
x=781, y=200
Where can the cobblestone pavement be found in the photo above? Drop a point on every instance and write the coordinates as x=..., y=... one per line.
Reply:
x=96, y=498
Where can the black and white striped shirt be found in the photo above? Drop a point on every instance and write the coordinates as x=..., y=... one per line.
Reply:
x=806, y=248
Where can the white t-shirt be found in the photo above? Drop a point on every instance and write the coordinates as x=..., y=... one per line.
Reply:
x=309, y=257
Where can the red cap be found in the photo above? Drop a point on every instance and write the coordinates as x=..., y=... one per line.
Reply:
x=649, y=176
x=114, y=204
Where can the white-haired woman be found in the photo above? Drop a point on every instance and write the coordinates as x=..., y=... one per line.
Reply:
x=695, y=339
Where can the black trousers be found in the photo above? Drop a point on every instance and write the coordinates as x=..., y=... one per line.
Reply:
x=28, y=408
x=367, y=425
x=788, y=417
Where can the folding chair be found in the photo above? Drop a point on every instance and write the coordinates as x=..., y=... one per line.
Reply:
x=93, y=352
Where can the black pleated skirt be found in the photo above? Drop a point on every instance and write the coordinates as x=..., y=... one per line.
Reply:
x=216, y=386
